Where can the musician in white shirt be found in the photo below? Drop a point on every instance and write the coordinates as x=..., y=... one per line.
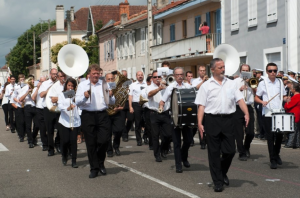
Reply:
x=134, y=107
x=217, y=98
x=69, y=122
x=188, y=77
x=267, y=89
x=11, y=110
x=180, y=152
x=244, y=146
x=160, y=121
x=94, y=118
x=202, y=77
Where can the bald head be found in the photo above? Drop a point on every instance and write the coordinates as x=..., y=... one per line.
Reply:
x=42, y=79
x=109, y=77
x=140, y=76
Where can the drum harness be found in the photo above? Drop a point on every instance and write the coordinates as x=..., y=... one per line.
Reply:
x=281, y=95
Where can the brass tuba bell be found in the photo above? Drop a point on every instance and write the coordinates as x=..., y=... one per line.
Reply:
x=142, y=100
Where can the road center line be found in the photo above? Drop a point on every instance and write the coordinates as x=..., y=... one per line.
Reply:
x=154, y=179
x=2, y=147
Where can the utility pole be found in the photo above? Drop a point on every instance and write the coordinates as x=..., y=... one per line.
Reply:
x=150, y=35
x=49, y=46
x=34, y=58
x=69, y=26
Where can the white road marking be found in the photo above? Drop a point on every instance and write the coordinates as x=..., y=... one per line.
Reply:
x=154, y=179
x=2, y=147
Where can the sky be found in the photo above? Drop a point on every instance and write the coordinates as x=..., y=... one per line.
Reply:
x=16, y=16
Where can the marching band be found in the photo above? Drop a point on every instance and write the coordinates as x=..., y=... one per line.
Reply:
x=227, y=113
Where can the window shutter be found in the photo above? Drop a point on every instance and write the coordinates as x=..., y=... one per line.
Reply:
x=252, y=13
x=271, y=11
x=146, y=39
x=133, y=43
x=142, y=40
x=112, y=49
x=129, y=72
x=159, y=32
x=172, y=32
x=197, y=25
x=234, y=15
x=218, y=27
x=104, y=51
x=134, y=73
x=130, y=43
x=208, y=20
x=118, y=47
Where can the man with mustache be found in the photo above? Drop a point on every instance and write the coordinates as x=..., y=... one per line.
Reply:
x=180, y=152
x=217, y=100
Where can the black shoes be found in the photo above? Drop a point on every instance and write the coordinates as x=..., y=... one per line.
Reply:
x=248, y=153
x=158, y=159
x=218, y=188
x=278, y=160
x=226, y=180
x=45, y=148
x=186, y=164
x=163, y=154
x=110, y=154
x=242, y=157
x=64, y=160
x=35, y=142
x=93, y=174
x=50, y=153
x=117, y=151
x=21, y=139
x=192, y=143
x=57, y=146
x=13, y=131
x=102, y=170
x=146, y=141
x=150, y=147
x=202, y=146
x=31, y=145
x=179, y=171
x=273, y=164
x=139, y=143
x=125, y=139
x=74, y=165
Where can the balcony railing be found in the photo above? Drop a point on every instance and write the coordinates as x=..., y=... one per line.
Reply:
x=190, y=46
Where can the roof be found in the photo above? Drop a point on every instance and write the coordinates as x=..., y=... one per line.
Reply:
x=4, y=67
x=105, y=13
x=80, y=20
x=143, y=14
x=32, y=66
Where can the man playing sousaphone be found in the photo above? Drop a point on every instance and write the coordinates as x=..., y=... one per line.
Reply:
x=273, y=94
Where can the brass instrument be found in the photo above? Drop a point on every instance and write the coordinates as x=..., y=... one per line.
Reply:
x=120, y=93
x=30, y=83
x=170, y=79
x=253, y=83
x=143, y=100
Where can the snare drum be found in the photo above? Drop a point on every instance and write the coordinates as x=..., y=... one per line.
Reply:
x=183, y=108
x=283, y=122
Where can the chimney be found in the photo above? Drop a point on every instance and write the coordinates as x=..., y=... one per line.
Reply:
x=161, y=3
x=124, y=18
x=60, y=18
x=72, y=13
x=124, y=9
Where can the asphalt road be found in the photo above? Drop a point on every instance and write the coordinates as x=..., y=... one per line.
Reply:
x=28, y=172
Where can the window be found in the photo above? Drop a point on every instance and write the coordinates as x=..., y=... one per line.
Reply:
x=142, y=36
x=274, y=58
x=208, y=20
x=252, y=13
x=197, y=25
x=243, y=59
x=271, y=11
x=146, y=41
x=184, y=32
x=234, y=15
x=172, y=32
x=159, y=33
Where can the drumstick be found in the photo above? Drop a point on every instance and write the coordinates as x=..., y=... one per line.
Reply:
x=272, y=98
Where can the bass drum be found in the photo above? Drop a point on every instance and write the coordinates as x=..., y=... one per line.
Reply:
x=183, y=107
x=51, y=106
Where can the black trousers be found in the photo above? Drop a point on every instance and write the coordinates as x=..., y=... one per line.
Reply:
x=5, y=110
x=160, y=126
x=68, y=140
x=129, y=117
x=51, y=119
x=220, y=137
x=147, y=133
x=117, y=128
x=29, y=113
x=40, y=122
x=96, y=128
x=11, y=111
x=138, y=113
x=262, y=129
x=239, y=123
x=274, y=139
x=20, y=121
x=181, y=153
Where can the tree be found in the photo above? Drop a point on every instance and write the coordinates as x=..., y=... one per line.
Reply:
x=21, y=55
x=99, y=25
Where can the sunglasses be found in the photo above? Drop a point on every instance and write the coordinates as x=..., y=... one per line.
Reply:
x=270, y=71
x=156, y=76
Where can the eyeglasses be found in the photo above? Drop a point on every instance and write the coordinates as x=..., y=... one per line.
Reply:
x=156, y=76
x=274, y=70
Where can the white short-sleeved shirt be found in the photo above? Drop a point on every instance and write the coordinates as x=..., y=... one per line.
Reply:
x=28, y=100
x=274, y=88
x=9, y=88
x=64, y=118
x=15, y=95
x=196, y=82
x=250, y=97
x=218, y=99
x=153, y=102
x=38, y=100
x=44, y=87
x=169, y=89
x=135, y=90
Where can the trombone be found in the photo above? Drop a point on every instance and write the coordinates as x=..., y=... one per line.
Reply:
x=252, y=83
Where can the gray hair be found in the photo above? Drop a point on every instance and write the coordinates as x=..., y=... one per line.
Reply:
x=178, y=68
x=244, y=64
x=213, y=62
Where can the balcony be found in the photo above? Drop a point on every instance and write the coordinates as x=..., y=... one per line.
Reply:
x=189, y=47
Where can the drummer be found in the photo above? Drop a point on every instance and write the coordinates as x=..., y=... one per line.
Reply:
x=271, y=88
x=181, y=153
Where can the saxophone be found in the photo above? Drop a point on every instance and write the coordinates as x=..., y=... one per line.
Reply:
x=120, y=93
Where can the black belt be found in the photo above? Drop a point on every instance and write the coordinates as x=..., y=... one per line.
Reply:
x=93, y=112
x=165, y=112
x=219, y=115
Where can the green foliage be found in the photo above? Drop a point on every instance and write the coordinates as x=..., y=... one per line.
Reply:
x=99, y=25
x=21, y=55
